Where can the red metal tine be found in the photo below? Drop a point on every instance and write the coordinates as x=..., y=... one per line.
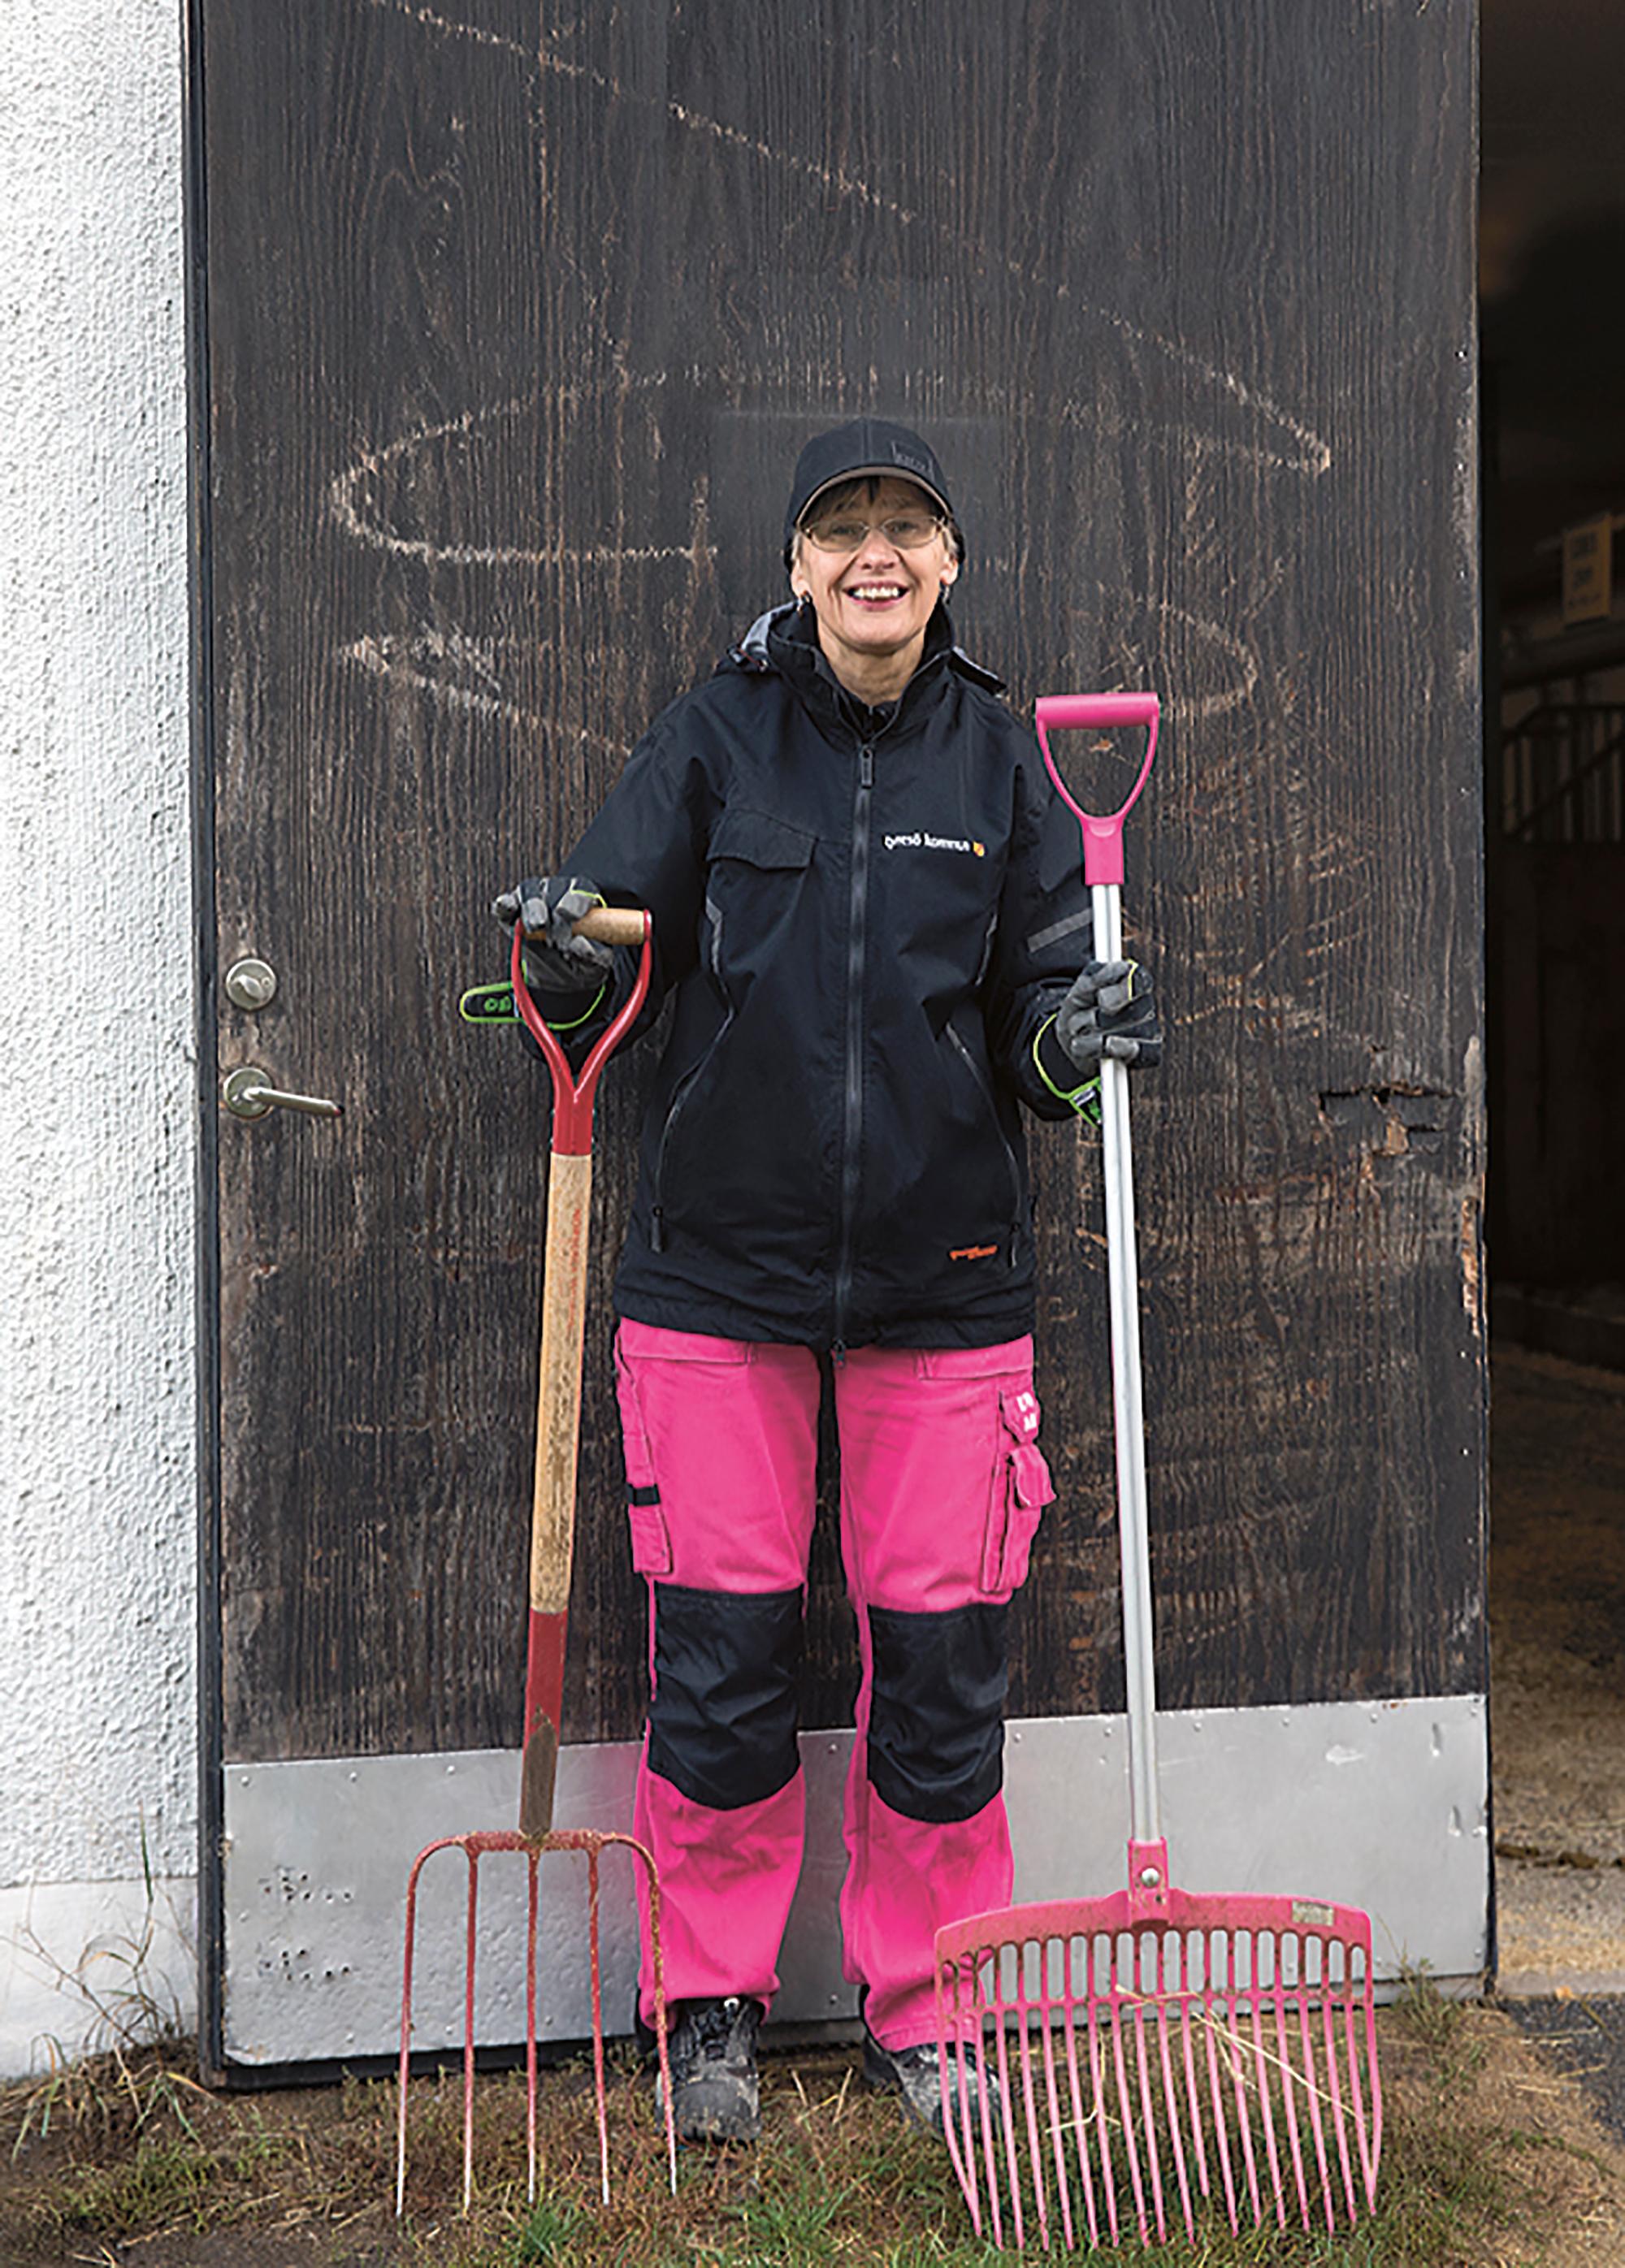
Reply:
x=535, y=1858
x=657, y=1966
x=406, y=2026
x=472, y=1856
x=602, y=2100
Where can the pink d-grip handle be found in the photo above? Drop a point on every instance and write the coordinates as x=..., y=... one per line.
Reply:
x=1103, y=831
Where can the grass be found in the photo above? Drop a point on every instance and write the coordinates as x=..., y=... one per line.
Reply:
x=130, y=2154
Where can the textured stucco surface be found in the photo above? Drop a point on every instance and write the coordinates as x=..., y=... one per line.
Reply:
x=97, y=1123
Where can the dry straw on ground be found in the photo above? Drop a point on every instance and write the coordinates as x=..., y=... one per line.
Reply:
x=1491, y=2161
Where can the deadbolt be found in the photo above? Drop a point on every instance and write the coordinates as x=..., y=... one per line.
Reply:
x=250, y=984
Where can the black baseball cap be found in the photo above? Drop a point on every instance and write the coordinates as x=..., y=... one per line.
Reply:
x=869, y=445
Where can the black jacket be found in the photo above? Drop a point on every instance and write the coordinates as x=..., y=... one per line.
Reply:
x=867, y=918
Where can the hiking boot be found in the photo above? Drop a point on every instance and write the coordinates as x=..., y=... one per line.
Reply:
x=714, y=2096
x=916, y=2074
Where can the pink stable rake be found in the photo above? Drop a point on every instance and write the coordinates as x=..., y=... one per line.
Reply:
x=552, y=1532
x=1152, y=2040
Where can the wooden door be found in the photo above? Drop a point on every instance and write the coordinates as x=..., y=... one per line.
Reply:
x=509, y=322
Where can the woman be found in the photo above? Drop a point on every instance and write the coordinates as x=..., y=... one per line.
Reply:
x=869, y=906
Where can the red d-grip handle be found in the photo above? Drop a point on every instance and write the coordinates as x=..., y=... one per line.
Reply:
x=1103, y=831
x=573, y=1098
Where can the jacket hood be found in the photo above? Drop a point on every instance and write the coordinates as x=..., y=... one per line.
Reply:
x=785, y=639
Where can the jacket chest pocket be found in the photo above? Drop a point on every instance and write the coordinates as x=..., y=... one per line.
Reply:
x=758, y=865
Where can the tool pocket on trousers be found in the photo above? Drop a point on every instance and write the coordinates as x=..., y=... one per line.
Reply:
x=651, y=1543
x=1021, y=1488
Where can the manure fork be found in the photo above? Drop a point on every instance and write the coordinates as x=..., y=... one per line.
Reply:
x=1099, y=2055
x=563, y=1306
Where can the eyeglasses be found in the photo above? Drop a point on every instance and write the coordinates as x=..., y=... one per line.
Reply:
x=909, y=531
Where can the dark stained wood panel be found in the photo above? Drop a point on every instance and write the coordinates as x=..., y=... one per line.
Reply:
x=514, y=333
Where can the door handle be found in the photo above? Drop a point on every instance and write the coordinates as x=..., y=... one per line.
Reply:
x=247, y=1093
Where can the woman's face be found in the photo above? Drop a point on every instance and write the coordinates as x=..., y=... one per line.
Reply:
x=873, y=602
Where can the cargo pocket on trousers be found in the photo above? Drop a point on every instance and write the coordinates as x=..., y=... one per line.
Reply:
x=1021, y=1488
x=651, y=1543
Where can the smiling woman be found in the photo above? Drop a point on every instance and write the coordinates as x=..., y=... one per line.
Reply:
x=872, y=556
x=834, y=1185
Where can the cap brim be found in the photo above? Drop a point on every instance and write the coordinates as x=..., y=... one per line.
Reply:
x=874, y=473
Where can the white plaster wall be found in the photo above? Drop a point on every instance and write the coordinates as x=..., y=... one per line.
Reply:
x=97, y=1118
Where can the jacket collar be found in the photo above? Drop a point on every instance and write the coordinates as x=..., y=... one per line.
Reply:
x=784, y=640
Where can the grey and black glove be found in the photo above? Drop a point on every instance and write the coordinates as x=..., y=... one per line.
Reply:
x=1108, y=1012
x=554, y=960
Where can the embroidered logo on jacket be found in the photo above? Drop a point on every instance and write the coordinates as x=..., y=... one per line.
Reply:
x=920, y=841
x=974, y=1252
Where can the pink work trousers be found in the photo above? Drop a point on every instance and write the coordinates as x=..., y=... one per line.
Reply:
x=941, y=1489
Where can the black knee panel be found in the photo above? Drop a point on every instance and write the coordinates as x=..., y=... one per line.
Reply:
x=722, y=1720
x=936, y=1710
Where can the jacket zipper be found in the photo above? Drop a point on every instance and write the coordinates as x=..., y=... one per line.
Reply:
x=851, y=1134
x=970, y=1062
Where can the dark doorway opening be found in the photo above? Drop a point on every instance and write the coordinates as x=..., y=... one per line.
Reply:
x=1552, y=252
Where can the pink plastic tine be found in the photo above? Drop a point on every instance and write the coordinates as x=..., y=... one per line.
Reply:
x=950, y=2025
x=1192, y=2094
x=1080, y=2132
x=1235, y=2056
x=1103, y=831
x=1366, y=2169
x=1125, y=2096
x=1148, y=2108
x=1097, y=2071
x=1287, y=2077
x=1260, y=2070
x=1221, y=2117
x=1057, y=2140
x=1000, y=2013
x=1314, y=2090
x=964, y=2063
x=1023, y=2017
x=1171, y=2095
x=989, y=2153
x=1370, y=2147
x=1340, y=2121
x=532, y=1871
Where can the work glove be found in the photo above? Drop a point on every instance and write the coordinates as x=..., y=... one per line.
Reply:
x=554, y=959
x=1109, y=1012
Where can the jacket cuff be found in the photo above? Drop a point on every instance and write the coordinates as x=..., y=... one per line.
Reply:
x=574, y=1009
x=1061, y=1074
